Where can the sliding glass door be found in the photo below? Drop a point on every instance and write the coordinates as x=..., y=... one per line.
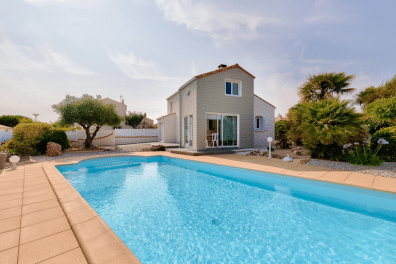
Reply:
x=221, y=130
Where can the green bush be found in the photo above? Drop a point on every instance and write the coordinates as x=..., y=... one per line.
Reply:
x=381, y=113
x=30, y=139
x=387, y=152
x=281, y=128
x=364, y=155
x=12, y=121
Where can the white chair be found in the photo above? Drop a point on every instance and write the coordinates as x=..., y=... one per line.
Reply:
x=215, y=138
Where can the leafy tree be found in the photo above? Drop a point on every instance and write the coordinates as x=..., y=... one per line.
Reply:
x=87, y=112
x=370, y=94
x=388, y=152
x=134, y=119
x=281, y=128
x=329, y=124
x=325, y=85
x=382, y=113
x=13, y=120
x=294, y=117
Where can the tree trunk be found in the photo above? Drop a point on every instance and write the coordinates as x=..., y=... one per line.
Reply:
x=89, y=139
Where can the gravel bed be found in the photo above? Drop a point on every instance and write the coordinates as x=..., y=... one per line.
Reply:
x=387, y=169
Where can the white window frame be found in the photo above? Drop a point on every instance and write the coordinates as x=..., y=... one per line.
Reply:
x=238, y=133
x=233, y=81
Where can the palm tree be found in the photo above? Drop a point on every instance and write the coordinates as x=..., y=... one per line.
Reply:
x=325, y=85
x=370, y=94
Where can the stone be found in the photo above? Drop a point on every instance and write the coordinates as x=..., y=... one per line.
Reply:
x=297, y=152
x=304, y=161
x=288, y=159
x=53, y=149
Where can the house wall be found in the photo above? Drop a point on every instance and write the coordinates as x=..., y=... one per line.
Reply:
x=169, y=125
x=211, y=98
x=175, y=109
x=263, y=109
x=120, y=107
x=188, y=106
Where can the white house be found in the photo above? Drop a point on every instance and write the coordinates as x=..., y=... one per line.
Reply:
x=218, y=109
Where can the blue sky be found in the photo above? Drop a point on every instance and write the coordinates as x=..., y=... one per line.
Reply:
x=145, y=50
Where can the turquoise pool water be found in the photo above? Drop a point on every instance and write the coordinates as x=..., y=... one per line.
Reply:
x=175, y=211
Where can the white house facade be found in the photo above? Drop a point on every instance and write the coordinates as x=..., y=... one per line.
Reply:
x=218, y=109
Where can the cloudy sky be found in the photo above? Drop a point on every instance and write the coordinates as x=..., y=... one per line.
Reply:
x=146, y=49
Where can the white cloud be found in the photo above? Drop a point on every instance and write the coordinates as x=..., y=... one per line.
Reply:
x=221, y=25
x=38, y=2
x=19, y=58
x=139, y=69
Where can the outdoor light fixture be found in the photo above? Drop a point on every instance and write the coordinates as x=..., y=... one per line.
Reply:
x=14, y=160
x=269, y=139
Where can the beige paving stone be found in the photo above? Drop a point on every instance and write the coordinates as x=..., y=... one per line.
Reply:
x=35, y=175
x=10, y=204
x=31, y=208
x=43, y=229
x=312, y=174
x=10, y=224
x=103, y=248
x=62, y=186
x=11, y=185
x=74, y=256
x=41, y=216
x=91, y=228
x=383, y=183
x=9, y=197
x=47, y=247
x=68, y=189
x=33, y=182
x=10, y=212
x=66, y=197
x=360, y=179
x=11, y=191
x=74, y=205
x=37, y=192
x=37, y=187
x=335, y=176
x=81, y=215
x=9, y=256
x=126, y=258
x=9, y=239
x=11, y=178
x=39, y=198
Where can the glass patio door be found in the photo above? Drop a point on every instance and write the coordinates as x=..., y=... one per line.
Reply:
x=221, y=130
x=188, y=131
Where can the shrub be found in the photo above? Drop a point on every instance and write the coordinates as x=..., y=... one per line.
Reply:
x=387, y=152
x=329, y=124
x=12, y=121
x=30, y=139
x=364, y=155
x=281, y=137
x=381, y=113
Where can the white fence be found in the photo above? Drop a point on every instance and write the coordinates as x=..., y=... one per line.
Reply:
x=133, y=136
x=5, y=136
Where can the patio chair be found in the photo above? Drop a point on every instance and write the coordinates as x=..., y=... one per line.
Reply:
x=215, y=138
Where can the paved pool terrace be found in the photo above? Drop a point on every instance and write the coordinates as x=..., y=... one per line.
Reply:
x=43, y=219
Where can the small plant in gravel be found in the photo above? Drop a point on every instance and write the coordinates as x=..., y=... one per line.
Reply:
x=363, y=154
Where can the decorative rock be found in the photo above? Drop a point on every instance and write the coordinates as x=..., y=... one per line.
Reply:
x=297, y=152
x=287, y=158
x=304, y=161
x=53, y=149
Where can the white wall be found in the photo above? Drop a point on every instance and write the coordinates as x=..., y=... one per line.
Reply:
x=264, y=109
x=175, y=109
x=102, y=138
x=168, y=123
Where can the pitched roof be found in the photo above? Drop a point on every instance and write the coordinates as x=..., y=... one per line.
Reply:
x=223, y=69
x=208, y=74
x=5, y=127
x=264, y=101
x=110, y=100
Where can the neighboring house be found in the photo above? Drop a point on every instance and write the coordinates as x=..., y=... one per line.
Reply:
x=120, y=108
x=6, y=128
x=146, y=123
x=279, y=117
x=218, y=109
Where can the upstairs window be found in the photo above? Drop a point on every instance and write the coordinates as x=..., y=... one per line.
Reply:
x=233, y=88
x=258, y=123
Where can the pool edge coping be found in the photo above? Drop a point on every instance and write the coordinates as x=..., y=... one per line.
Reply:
x=73, y=203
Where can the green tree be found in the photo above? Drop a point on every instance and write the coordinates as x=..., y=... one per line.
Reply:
x=281, y=129
x=87, y=112
x=294, y=117
x=325, y=85
x=381, y=113
x=372, y=93
x=329, y=124
x=134, y=119
x=13, y=120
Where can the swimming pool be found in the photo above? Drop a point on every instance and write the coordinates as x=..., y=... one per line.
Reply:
x=170, y=210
